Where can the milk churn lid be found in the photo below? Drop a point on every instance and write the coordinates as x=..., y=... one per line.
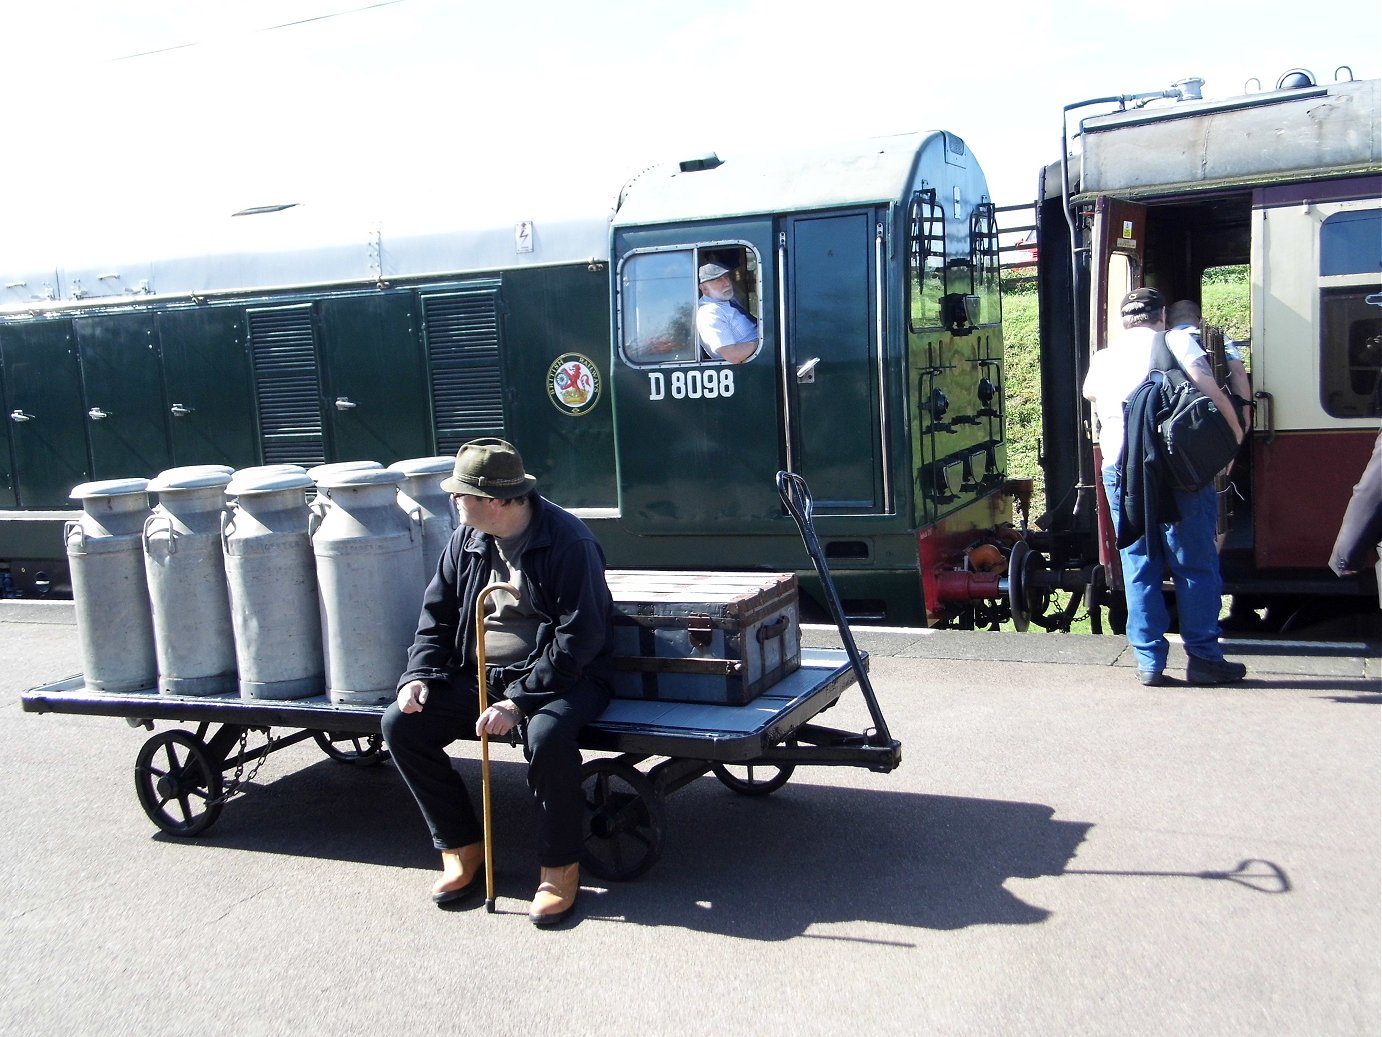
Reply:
x=424, y=466
x=108, y=488
x=360, y=477
x=191, y=477
x=267, y=480
x=323, y=470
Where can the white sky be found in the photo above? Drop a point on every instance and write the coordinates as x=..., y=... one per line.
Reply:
x=120, y=116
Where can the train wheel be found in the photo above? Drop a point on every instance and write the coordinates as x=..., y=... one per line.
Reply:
x=361, y=750
x=624, y=820
x=178, y=783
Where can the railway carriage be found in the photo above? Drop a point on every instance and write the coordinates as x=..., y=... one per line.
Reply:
x=1171, y=191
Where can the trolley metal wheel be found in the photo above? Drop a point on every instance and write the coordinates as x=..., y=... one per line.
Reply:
x=178, y=783
x=624, y=820
x=753, y=780
x=361, y=750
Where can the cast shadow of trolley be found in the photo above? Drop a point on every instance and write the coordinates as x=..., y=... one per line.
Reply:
x=765, y=868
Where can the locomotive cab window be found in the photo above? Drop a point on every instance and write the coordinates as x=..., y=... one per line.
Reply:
x=926, y=261
x=692, y=305
x=1350, y=318
x=983, y=260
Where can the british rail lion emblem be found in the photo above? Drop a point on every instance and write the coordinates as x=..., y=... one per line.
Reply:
x=573, y=383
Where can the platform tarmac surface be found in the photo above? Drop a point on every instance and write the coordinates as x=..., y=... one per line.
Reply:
x=1062, y=851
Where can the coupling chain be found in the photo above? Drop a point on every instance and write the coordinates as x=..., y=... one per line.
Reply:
x=232, y=788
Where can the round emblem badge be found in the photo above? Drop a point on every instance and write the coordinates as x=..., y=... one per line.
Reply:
x=573, y=383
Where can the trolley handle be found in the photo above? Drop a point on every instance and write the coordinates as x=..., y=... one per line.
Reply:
x=796, y=495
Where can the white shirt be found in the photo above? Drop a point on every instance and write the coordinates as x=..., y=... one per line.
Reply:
x=1119, y=369
x=720, y=324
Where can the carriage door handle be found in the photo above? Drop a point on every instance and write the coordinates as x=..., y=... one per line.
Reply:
x=19, y=415
x=806, y=373
x=96, y=414
x=179, y=411
x=343, y=403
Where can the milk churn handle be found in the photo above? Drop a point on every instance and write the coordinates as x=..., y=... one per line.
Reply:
x=415, y=514
x=314, y=520
x=796, y=495
x=227, y=520
x=67, y=530
x=151, y=522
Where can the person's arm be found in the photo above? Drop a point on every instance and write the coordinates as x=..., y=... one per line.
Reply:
x=1185, y=347
x=1361, y=528
x=716, y=325
x=736, y=352
x=432, y=654
x=1199, y=372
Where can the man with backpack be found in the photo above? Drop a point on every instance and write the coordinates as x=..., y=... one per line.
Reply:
x=1176, y=528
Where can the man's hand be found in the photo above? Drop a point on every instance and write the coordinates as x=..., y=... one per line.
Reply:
x=498, y=720
x=412, y=696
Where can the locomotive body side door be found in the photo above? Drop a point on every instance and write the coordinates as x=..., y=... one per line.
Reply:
x=122, y=378
x=699, y=439
x=206, y=376
x=835, y=429
x=43, y=407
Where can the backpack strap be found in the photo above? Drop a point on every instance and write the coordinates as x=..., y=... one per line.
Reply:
x=1162, y=357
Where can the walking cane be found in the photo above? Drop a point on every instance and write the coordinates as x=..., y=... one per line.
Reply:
x=483, y=684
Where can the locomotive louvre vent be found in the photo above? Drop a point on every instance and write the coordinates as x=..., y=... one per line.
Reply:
x=462, y=334
x=283, y=352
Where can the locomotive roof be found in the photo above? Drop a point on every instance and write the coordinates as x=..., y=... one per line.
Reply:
x=879, y=169
x=1274, y=136
x=298, y=246
x=312, y=245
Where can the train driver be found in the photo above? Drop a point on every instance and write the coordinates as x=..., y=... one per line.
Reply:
x=727, y=330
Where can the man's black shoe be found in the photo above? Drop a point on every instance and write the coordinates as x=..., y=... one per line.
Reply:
x=1210, y=671
x=1151, y=678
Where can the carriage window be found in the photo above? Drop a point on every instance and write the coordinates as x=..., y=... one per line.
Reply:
x=926, y=259
x=1351, y=353
x=983, y=258
x=1351, y=314
x=660, y=295
x=1351, y=243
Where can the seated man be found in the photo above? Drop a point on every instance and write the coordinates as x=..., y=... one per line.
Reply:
x=727, y=330
x=549, y=653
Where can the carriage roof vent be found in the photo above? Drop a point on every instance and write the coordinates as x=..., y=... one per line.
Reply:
x=694, y=165
x=1296, y=79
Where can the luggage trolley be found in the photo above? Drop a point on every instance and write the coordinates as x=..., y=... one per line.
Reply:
x=753, y=749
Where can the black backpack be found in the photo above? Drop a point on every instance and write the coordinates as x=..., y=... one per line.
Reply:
x=1196, y=438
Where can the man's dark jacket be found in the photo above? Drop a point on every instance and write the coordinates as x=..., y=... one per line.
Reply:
x=565, y=572
x=1144, y=500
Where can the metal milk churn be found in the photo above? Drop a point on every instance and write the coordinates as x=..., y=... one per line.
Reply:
x=187, y=582
x=369, y=566
x=318, y=501
x=115, y=629
x=273, y=584
x=421, y=492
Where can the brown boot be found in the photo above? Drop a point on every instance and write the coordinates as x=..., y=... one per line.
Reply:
x=556, y=895
x=461, y=871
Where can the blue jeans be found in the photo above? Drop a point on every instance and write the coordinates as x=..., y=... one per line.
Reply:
x=1187, y=549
